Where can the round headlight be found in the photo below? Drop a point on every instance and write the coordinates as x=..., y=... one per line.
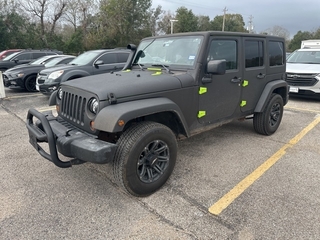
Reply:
x=93, y=105
x=60, y=93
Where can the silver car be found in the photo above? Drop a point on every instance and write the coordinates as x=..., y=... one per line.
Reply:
x=303, y=72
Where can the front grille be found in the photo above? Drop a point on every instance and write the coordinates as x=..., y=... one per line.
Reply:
x=72, y=107
x=297, y=79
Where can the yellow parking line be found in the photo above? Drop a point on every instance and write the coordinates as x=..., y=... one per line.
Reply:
x=302, y=109
x=43, y=109
x=23, y=96
x=227, y=199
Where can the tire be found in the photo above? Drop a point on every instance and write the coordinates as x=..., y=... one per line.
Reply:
x=30, y=83
x=268, y=121
x=145, y=158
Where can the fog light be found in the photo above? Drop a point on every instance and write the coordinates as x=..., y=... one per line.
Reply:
x=92, y=125
x=120, y=123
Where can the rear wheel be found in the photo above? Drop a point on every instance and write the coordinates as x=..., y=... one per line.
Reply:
x=30, y=83
x=268, y=121
x=145, y=158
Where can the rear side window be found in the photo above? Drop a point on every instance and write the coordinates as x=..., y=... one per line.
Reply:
x=122, y=57
x=108, y=58
x=253, y=53
x=276, y=53
x=38, y=55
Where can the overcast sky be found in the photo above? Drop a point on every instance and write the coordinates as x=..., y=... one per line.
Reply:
x=293, y=15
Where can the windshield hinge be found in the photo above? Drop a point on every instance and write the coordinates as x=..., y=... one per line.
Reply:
x=112, y=98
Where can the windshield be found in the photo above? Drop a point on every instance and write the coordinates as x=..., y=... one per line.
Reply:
x=9, y=57
x=52, y=62
x=307, y=57
x=169, y=51
x=41, y=60
x=84, y=58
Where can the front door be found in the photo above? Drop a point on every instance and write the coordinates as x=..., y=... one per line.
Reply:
x=109, y=63
x=219, y=95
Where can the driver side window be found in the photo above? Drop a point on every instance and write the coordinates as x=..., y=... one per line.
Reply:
x=224, y=49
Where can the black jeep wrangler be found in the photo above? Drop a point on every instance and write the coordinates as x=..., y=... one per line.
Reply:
x=172, y=87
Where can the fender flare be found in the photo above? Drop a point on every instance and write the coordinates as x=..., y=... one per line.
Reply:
x=52, y=98
x=270, y=88
x=107, y=119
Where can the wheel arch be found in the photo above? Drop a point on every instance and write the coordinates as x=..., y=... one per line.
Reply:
x=161, y=110
x=280, y=87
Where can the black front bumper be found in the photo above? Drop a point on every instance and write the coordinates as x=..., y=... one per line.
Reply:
x=19, y=82
x=47, y=89
x=69, y=141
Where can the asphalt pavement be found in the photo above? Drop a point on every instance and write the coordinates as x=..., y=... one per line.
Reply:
x=258, y=187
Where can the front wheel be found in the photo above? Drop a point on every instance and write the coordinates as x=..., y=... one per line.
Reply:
x=145, y=158
x=268, y=121
x=30, y=84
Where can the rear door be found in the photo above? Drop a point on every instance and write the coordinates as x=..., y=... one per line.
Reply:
x=254, y=75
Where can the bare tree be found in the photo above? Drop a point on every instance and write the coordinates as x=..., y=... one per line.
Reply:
x=278, y=31
x=78, y=11
x=164, y=23
x=47, y=11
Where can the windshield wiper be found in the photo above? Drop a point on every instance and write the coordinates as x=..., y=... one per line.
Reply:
x=140, y=65
x=166, y=67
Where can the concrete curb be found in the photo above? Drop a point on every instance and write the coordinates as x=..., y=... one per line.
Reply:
x=2, y=91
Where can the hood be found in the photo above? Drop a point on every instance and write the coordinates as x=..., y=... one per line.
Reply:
x=302, y=68
x=24, y=67
x=132, y=83
x=58, y=68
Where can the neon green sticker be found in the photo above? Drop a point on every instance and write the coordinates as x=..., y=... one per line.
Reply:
x=201, y=114
x=243, y=103
x=156, y=73
x=127, y=70
x=154, y=69
x=245, y=83
x=202, y=90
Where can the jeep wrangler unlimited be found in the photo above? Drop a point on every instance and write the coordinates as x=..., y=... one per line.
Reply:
x=172, y=86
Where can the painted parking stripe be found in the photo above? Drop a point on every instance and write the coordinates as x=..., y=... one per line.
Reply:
x=227, y=199
x=24, y=96
x=44, y=109
x=302, y=110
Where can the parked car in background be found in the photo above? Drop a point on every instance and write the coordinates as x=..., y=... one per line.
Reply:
x=24, y=75
x=8, y=52
x=24, y=56
x=303, y=72
x=288, y=54
x=89, y=63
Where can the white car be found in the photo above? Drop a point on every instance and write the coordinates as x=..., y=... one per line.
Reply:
x=303, y=72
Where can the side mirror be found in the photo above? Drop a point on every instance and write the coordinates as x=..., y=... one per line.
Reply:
x=99, y=62
x=217, y=67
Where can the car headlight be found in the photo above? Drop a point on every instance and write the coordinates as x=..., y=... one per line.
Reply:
x=93, y=105
x=56, y=74
x=60, y=93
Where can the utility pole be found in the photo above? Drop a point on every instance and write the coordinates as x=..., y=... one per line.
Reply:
x=224, y=17
x=171, y=22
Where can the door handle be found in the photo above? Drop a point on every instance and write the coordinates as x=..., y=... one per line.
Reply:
x=261, y=75
x=236, y=80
